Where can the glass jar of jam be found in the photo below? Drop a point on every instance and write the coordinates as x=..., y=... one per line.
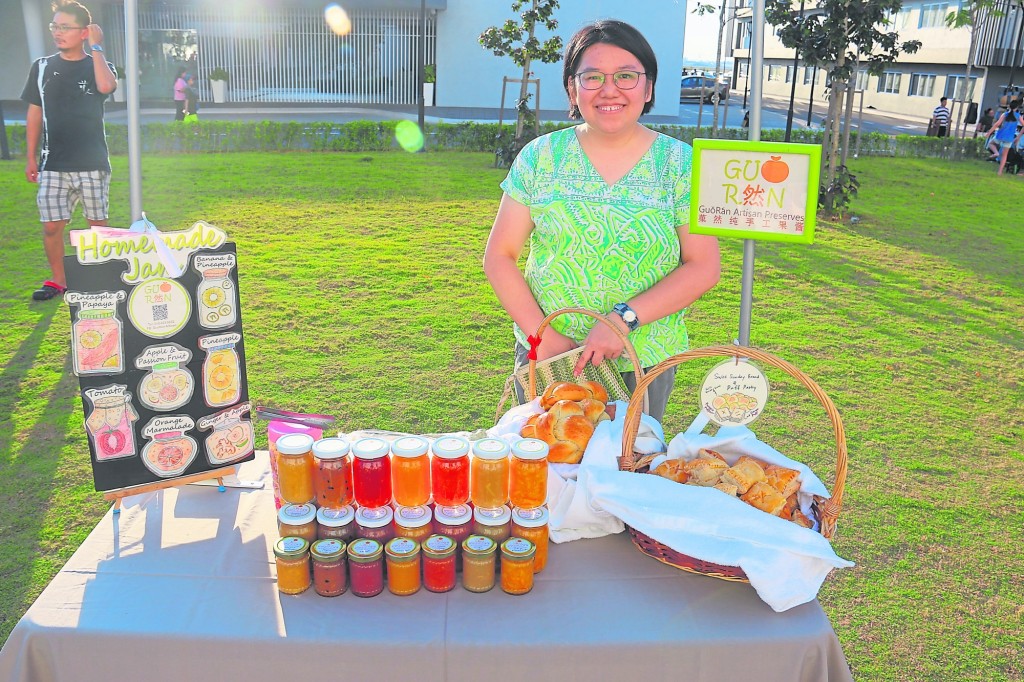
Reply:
x=410, y=471
x=414, y=523
x=333, y=479
x=517, y=565
x=488, y=481
x=366, y=567
x=339, y=524
x=295, y=467
x=375, y=523
x=449, y=471
x=328, y=567
x=292, y=556
x=532, y=524
x=479, y=555
x=528, y=474
x=439, y=563
x=403, y=557
x=371, y=472
x=297, y=520
x=495, y=524
x=275, y=429
x=455, y=521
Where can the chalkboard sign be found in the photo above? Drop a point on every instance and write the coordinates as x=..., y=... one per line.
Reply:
x=157, y=344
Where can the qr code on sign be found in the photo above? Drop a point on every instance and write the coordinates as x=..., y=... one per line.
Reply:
x=160, y=312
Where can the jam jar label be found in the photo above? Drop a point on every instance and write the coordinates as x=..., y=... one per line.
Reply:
x=531, y=448
x=412, y=513
x=368, y=446
x=372, y=513
x=364, y=547
x=291, y=544
x=534, y=514
x=495, y=514
x=297, y=511
x=450, y=447
x=336, y=514
x=411, y=444
x=159, y=307
x=517, y=546
x=439, y=543
x=490, y=445
x=453, y=514
x=479, y=543
x=401, y=546
x=327, y=547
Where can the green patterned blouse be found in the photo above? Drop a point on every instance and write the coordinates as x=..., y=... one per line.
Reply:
x=595, y=245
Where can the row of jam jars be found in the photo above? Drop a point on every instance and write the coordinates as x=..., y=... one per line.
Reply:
x=332, y=481
x=489, y=473
x=410, y=471
x=415, y=523
x=371, y=472
x=295, y=468
x=528, y=473
x=532, y=524
x=449, y=471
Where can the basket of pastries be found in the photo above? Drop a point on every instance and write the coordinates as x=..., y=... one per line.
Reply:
x=768, y=487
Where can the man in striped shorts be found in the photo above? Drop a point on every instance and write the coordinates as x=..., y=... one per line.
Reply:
x=65, y=94
x=940, y=118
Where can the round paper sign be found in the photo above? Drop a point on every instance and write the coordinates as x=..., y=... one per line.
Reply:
x=159, y=307
x=734, y=393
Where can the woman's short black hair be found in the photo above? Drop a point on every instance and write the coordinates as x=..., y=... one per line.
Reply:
x=611, y=32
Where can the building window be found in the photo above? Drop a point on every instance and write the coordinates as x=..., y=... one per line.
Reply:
x=933, y=16
x=809, y=75
x=743, y=36
x=776, y=72
x=889, y=82
x=744, y=69
x=922, y=85
x=897, y=20
x=955, y=87
x=862, y=80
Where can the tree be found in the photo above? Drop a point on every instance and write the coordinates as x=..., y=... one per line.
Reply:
x=519, y=41
x=836, y=35
x=972, y=15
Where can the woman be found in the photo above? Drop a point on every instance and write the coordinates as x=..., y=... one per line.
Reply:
x=1006, y=130
x=604, y=207
x=179, y=95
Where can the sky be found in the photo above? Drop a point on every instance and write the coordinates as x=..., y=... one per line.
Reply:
x=701, y=34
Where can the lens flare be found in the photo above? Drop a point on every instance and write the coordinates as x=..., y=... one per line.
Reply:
x=409, y=136
x=337, y=19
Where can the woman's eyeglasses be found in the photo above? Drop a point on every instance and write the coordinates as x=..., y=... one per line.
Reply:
x=623, y=80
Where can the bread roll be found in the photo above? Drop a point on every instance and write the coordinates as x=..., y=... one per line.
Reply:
x=565, y=408
x=705, y=472
x=529, y=429
x=571, y=436
x=593, y=410
x=596, y=391
x=562, y=390
x=672, y=469
x=744, y=473
x=764, y=497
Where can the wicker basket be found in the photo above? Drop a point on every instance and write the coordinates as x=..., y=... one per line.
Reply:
x=825, y=510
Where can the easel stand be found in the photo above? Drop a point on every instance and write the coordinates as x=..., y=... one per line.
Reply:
x=121, y=493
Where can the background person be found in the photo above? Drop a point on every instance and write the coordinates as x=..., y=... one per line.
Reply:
x=180, y=84
x=940, y=118
x=65, y=93
x=605, y=209
x=191, y=96
x=1006, y=131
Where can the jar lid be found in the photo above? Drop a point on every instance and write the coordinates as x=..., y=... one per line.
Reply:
x=410, y=446
x=95, y=314
x=530, y=518
x=455, y=515
x=370, y=448
x=334, y=518
x=291, y=547
x=490, y=448
x=497, y=516
x=439, y=547
x=327, y=550
x=364, y=550
x=518, y=548
x=294, y=444
x=450, y=447
x=479, y=545
x=402, y=548
x=296, y=514
x=374, y=517
x=530, y=448
x=413, y=517
x=330, y=448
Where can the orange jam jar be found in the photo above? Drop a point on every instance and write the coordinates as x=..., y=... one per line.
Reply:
x=333, y=478
x=528, y=473
x=532, y=524
x=517, y=565
x=292, y=555
x=488, y=478
x=328, y=567
x=479, y=559
x=337, y=524
x=375, y=523
x=495, y=524
x=439, y=563
x=410, y=471
x=449, y=471
x=365, y=567
x=297, y=520
x=403, y=557
x=295, y=468
x=414, y=523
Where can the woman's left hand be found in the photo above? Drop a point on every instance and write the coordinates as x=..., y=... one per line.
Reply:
x=602, y=344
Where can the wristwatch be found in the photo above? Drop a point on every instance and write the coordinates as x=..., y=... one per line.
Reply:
x=627, y=314
x=96, y=48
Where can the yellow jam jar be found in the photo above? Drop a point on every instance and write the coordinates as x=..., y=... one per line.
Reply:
x=479, y=563
x=403, y=559
x=292, y=556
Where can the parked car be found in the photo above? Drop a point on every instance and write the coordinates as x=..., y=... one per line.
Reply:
x=690, y=88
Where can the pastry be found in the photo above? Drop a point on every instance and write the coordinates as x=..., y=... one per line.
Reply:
x=792, y=504
x=727, y=488
x=704, y=453
x=764, y=497
x=801, y=519
x=786, y=481
x=744, y=473
x=673, y=469
x=704, y=471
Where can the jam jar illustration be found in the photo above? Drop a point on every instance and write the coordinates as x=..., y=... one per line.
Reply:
x=97, y=343
x=110, y=426
x=169, y=453
x=221, y=381
x=217, y=305
x=229, y=442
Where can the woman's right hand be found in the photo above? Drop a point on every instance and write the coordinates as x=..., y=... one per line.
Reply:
x=553, y=343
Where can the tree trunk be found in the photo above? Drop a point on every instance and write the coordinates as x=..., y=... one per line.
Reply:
x=524, y=89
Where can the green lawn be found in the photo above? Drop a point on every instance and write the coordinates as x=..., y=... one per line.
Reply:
x=363, y=296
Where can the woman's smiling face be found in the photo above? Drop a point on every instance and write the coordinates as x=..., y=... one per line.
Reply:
x=610, y=109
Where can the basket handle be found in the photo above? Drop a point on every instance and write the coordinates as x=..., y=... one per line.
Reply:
x=638, y=370
x=828, y=508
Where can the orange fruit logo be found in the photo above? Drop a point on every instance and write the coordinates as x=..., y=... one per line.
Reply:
x=775, y=170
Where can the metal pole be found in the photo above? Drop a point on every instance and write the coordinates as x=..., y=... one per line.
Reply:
x=131, y=44
x=810, y=105
x=754, y=135
x=421, y=62
x=792, y=88
x=1014, y=57
x=746, y=84
x=5, y=152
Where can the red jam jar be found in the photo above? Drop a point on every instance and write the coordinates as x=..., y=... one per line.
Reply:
x=328, y=567
x=339, y=524
x=455, y=521
x=488, y=481
x=366, y=568
x=449, y=471
x=495, y=524
x=414, y=523
x=297, y=520
x=532, y=524
x=439, y=563
x=410, y=471
x=371, y=472
x=332, y=478
x=375, y=523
